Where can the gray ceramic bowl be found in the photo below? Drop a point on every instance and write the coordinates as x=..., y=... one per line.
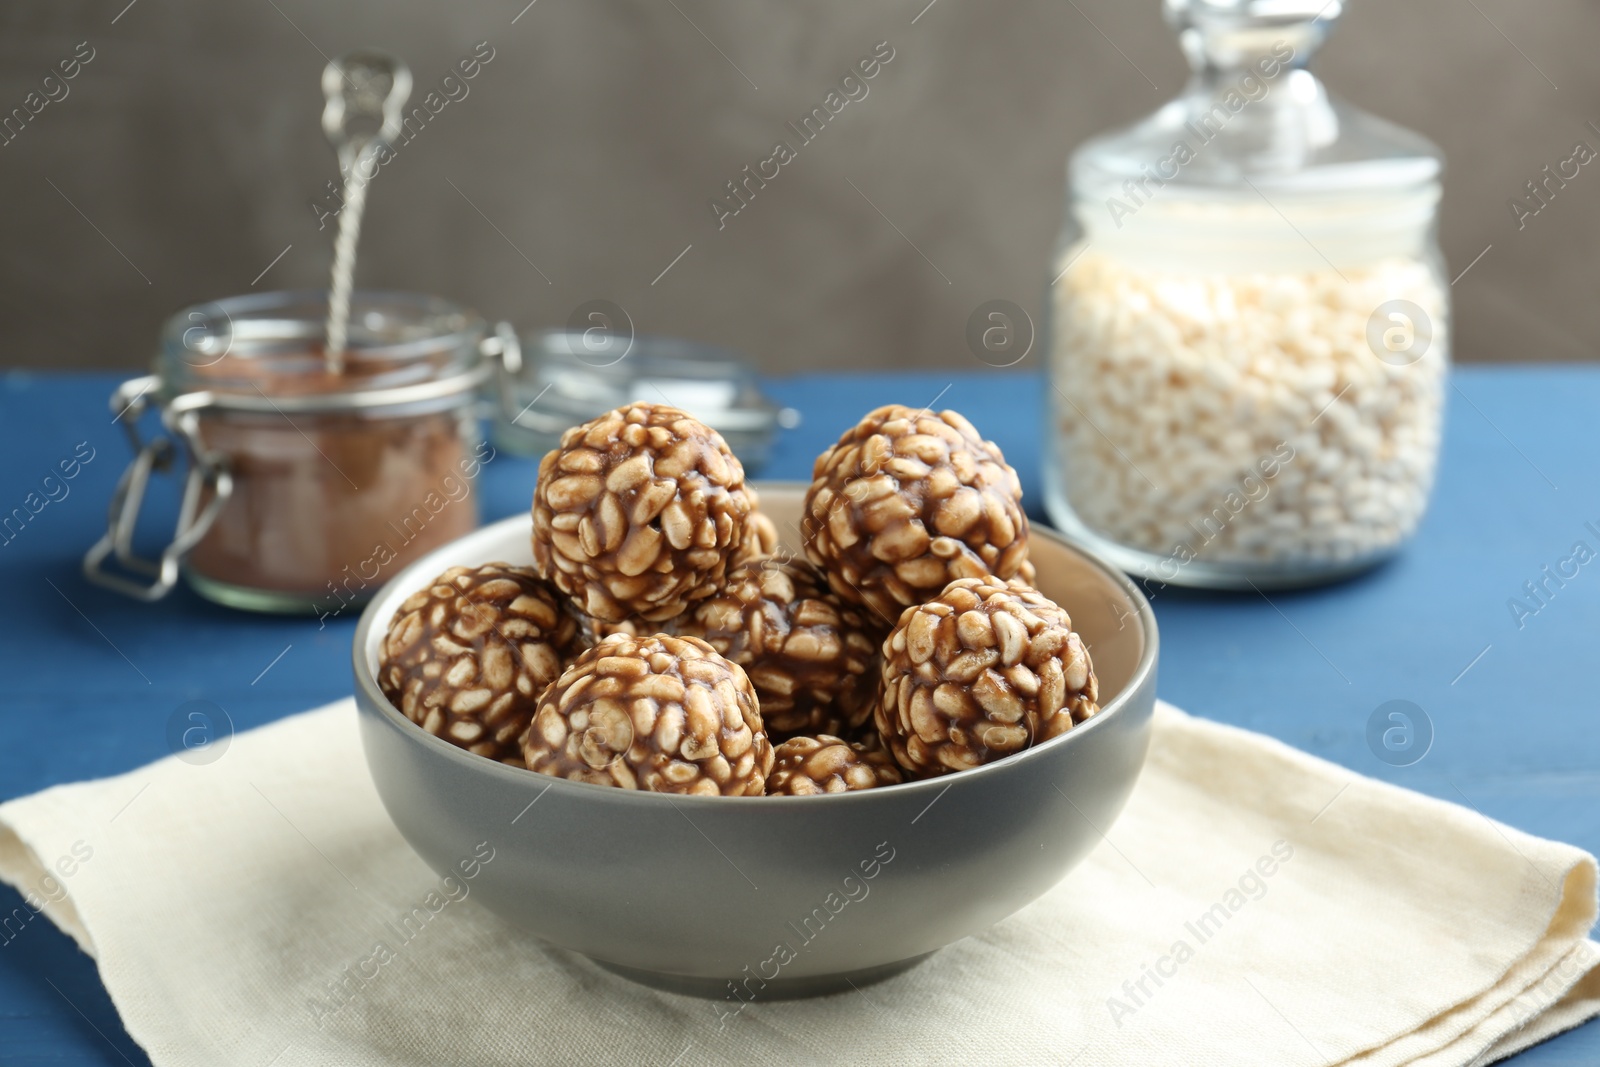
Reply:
x=784, y=896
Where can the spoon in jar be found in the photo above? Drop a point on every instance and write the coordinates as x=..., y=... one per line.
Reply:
x=366, y=92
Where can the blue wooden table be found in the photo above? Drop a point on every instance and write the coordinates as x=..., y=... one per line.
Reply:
x=90, y=679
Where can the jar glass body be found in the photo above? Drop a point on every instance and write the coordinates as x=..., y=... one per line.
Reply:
x=1236, y=404
x=336, y=481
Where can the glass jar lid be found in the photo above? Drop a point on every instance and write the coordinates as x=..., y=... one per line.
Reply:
x=1254, y=140
x=1253, y=111
x=567, y=377
x=263, y=351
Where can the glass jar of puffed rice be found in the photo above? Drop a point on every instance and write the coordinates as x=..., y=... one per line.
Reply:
x=1248, y=322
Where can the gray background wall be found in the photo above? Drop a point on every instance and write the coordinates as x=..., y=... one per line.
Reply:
x=187, y=152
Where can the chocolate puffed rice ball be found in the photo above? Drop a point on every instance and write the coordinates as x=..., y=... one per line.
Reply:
x=659, y=713
x=808, y=766
x=812, y=658
x=638, y=512
x=908, y=501
x=466, y=657
x=978, y=673
x=760, y=541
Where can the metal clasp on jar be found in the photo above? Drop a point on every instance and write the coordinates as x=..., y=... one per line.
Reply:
x=206, y=470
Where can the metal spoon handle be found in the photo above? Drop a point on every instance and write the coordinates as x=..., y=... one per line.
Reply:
x=366, y=92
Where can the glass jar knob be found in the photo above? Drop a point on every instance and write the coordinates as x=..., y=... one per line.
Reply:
x=1224, y=35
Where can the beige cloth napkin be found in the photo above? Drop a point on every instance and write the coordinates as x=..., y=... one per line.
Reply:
x=1253, y=905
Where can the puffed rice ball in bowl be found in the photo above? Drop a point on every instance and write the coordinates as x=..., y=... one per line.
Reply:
x=765, y=897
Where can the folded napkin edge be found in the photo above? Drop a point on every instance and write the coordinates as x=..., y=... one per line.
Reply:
x=21, y=868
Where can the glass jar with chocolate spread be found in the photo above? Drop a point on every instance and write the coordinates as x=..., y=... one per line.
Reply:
x=305, y=489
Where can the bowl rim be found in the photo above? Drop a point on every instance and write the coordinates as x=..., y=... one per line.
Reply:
x=367, y=683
